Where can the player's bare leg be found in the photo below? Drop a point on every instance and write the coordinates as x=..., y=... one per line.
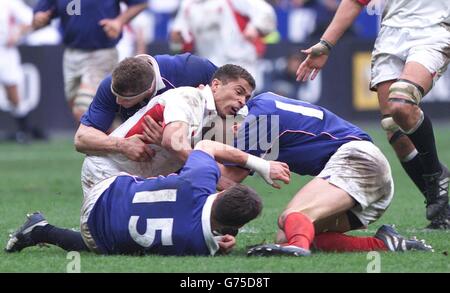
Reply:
x=316, y=201
x=80, y=103
x=401, y=143
x=12, y=93
x=21, y=136
x=403, y=100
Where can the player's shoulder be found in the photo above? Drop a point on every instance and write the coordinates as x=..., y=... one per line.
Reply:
x=181, y=59
x=183, y=93
x=104, y=90
x=262, y=102
x=199, y=161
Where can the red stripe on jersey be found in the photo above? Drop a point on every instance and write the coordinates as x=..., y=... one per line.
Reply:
x=156, y=113
x=242, y=22
x=363, y=2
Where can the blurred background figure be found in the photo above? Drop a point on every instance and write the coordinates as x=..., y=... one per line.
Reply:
x=91, y=30
x=225, y=31
x=137, y=35
x=15, y=23
x=282, y=79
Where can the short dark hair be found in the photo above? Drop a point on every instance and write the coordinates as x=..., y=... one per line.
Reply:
x=237, y=206
x=230, y=72
x=132, y=76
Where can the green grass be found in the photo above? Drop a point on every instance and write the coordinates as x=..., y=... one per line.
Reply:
x=46, y=177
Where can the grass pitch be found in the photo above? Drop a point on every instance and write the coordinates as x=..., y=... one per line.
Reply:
x=46, y=177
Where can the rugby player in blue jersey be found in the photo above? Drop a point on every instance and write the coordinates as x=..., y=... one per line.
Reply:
x=352, y=187
x=130, y=87
x=90, y=31
x=181, y=214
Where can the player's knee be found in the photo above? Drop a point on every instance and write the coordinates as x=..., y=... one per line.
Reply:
x=404, y=91
x=81, y=103
x=283, y=216
x=404, y=95
x=393, y=131
x=281, y=219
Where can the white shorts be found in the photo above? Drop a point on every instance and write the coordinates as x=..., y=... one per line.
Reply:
x=94, y=170
x=98, y=168
x=11, y=72
x=84, y=70
x=394, y=47
x=360, y=169
x=89, y=201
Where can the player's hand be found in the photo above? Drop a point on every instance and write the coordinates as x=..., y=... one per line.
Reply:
x=316, y=58
x=42, y=18
x=279, y=171
x=13, y=39
x=112, y=27
x=226, y=243
x=153, y=131
x=135, y=149
x=250, y=33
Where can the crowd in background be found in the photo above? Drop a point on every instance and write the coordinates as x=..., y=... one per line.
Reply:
x=298, y=20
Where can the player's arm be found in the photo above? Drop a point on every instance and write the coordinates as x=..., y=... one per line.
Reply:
x=346, y=14
x=180, y=34
x=91, y=137
x=230, y=176
x=113, y=27
x=317, y=55
x=176, y=139
x=91, y=141
x=269, y=170
x=263, y=19
x=23, y=17
x=43, y=13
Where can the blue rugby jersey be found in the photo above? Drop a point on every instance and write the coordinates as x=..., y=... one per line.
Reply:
x=302, y=135
x=163, y=215
x=84, y=31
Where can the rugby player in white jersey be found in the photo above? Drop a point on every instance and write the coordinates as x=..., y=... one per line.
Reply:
x=226, y=31
x=411, y=52
x=182, y=113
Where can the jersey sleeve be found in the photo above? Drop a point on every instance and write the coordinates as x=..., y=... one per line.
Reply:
x=134, y=2
x=185, y=106
x=202, y=172
x=44, y=5
x=255, y=133
x=22, y=12
x=102, y=110
x=260, y=13
x=180, y=22
x=200, y=70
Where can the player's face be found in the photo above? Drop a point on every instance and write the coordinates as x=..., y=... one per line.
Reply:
x=230, y=97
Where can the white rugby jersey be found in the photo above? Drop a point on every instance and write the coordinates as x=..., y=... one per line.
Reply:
x=191, y=105
x=215, y=27
x=12, y=13
x=412, y=13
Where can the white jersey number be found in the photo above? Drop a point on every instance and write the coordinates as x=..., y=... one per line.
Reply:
x=165, y=225
x=305, y=111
